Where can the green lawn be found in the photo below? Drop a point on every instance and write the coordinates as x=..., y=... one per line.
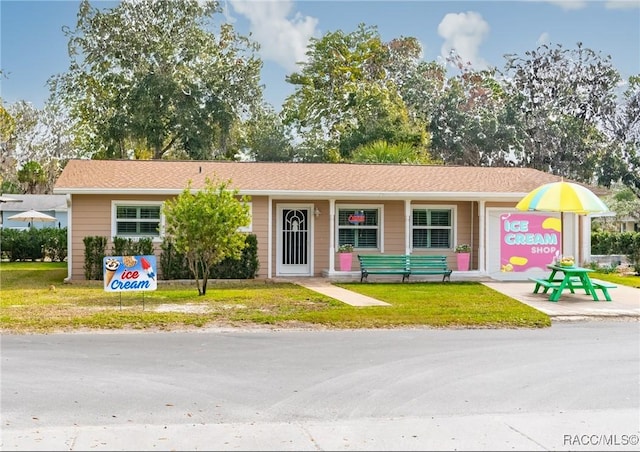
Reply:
x=34, y=299
x=617, y=278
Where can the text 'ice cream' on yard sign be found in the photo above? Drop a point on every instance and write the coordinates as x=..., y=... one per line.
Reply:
x=127, y=273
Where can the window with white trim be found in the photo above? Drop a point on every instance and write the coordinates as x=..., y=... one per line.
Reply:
x=359, y=227
x=432, y=228
x=137, y=219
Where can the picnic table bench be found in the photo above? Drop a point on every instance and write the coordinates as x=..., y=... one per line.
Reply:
x=403, y=264
x=574, y=278
x=603, y=286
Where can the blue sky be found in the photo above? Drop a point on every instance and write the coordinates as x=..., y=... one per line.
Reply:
x=33, y=46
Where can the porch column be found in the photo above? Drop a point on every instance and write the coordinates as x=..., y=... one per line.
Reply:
x=482, y=258
x=407, y=226
x=585, y=239
x=332, y=236
x=270, y=238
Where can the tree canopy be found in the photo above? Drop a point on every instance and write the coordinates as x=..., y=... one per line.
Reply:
x=157, y=79
x=344, y=97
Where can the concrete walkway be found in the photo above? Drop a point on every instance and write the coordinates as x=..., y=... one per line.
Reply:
x=325, y=287
x=625, y=301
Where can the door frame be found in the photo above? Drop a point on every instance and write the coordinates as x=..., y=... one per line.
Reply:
x=310, y=237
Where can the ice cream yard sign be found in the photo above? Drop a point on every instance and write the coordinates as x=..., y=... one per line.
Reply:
x=126, y=273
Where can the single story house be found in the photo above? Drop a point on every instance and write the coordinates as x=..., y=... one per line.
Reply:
x=52, y=205
x=302, y=212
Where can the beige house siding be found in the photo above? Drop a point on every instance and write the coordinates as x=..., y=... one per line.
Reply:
x=260, y=228
x=93, y=184
x=321, y=238
x=92, y=217
x=467, y=231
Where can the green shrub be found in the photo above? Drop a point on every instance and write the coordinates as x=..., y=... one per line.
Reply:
x=173, y=265
x=55, y=244
x=34, y=244
x=130, y=247
x=244, y=268
x=94, y=253
x=623, y=243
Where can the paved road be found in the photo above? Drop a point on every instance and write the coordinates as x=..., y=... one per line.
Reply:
x=574, y=386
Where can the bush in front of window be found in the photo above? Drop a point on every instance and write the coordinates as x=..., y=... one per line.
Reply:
x=129, y=247
x=174, y=265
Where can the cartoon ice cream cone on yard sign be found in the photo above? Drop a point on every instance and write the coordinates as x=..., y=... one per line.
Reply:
x=111, y=267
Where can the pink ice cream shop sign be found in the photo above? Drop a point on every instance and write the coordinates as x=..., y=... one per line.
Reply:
x=127, y=273
x=529, y=241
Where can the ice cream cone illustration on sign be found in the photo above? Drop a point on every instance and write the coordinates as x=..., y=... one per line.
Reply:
x=146, y=266
x=110, y=268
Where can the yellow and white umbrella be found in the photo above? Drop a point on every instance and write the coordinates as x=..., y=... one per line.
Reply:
x=562, y=197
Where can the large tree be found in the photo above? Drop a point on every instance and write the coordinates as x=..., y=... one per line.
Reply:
x=37, y=136
x=345, y=96
x=265, y=138
x=563, y=97
x=8, y=162
x=158, y=79
x=620, y=160
x=204, y=226
x=472, y=119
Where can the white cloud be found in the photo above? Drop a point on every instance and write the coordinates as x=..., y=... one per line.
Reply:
x=569, y=4
x=543, y=39
x=464, y=33
x=622, y=4
x=283, y=35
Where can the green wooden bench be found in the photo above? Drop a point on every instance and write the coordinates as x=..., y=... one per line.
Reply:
x=403, y=264
x=383, y=264
x=603, y=286
x=429, y=265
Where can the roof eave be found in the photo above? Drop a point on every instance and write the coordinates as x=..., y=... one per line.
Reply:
x=321, y=194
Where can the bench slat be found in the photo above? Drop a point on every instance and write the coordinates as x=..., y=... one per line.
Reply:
x=429, y=265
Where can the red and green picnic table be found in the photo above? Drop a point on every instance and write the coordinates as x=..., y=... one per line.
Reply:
x=572, y=278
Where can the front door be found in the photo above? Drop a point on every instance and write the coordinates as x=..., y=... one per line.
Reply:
x=294, y=240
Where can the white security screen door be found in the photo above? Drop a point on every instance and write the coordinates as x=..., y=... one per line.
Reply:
x=294, y=239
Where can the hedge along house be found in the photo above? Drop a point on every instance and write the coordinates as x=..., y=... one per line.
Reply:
x=302, y=212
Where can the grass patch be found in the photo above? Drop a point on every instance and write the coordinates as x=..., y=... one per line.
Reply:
x=463, y=304
x=35, y=300
x=618, y=278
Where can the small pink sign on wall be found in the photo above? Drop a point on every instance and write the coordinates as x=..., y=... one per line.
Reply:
x=529, y=241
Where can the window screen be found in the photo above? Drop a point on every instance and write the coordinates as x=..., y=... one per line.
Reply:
x=138, y=221
x=432, y=228
x=359, y=227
